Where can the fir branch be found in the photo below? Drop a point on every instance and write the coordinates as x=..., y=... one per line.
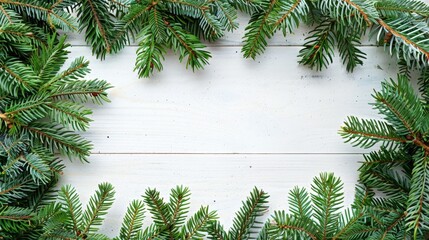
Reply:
x=188, y=46
x=246, y=219
x=133, y=221
x=409, y=36
x=366, y=133
x=72, y=206
x=417, y=213
x=98, y=206
x=198, y=223
x=392, y=8
x=318, y=50
x=257, y=31
x=63, y=20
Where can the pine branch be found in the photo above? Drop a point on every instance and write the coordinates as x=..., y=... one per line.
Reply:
x=401, y=107
x=245, y=220
x=366, y=133
x=159, y=210
x=327, y=198
x=226, y=14
x=97, y=207
x=287, y=225
x=318, y=49
x=72, y=207
x=287, y=15
x=133, y=221
x=188, y=46
x=197, y=224
x=179, y=205
x=56, y=137
x=257, y=31
x=409, y=37
x=98, y=23
x=299, y=202
x=150, y=54
x=397, y=8
x=417, y=212
x=42, y=11
x=216, y=231
x=16, y=77
x=70, y=114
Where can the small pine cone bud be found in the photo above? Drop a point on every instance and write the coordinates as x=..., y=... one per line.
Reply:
x=387, y=37
x=316, y=47
x=151, y=66
x=409, y=137
x=94, y=94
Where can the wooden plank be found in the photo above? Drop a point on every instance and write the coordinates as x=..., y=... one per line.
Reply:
x=234, y=106
x=221, y=181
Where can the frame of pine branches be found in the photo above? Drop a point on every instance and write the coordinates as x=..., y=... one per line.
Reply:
x=42, y=107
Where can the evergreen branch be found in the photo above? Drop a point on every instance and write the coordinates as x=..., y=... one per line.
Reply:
x=327, y=198
x=248, y=6
x=366, y=133
x=179, y=205
x=82, y=91
x=318, y=50
x=198, y=223
x=391, y=226
x=401, y=107
x=16, y=77
x=24, y=111
x=188, y=46
x=132, y=21
x=361, y=11
x=98, y=206
x=71, y=205
x=15, y=189
x=245, y=219
x=394, y=8
x=288, y=14
x=159, y=210
x=349, y=227
x=99, y=25
x=417, y=213
x=358, y=12
x=69, y=113
x=49, y=59
x=150, y=53
x=57, y=138
x=66, y=21
x=38, y=169
x=133, y=221
x=216, y=231
x=227, y=15
x=286, y=222
x=6, y=14
x=410, y=36
x=257, y=31
x=299, y=202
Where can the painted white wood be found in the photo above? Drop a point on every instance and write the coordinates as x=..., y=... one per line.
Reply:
x=239, y=123
x=234, y=106
x=221, y=181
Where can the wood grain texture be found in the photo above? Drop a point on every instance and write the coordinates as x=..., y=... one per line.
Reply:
x=239, y=123
x=234, y=106
x=221, y=181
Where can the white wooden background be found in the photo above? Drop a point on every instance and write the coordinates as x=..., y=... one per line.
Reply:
x=240, y=123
